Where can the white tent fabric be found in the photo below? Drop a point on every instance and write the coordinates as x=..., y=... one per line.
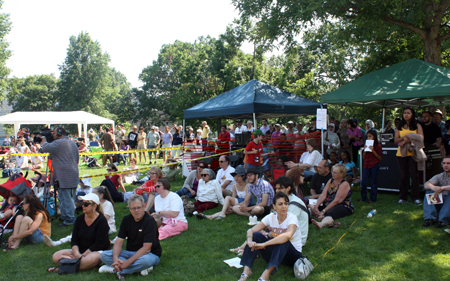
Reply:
x=82, y=118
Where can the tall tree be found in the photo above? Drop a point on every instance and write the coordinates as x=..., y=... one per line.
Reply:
x=33, y=93
x=367, y=22
x=84, y=77
x=5, y=27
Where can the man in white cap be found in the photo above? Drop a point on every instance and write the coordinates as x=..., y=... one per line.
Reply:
x=291, y=128
x=153, y=139
x=438, y=121
x=240, y=128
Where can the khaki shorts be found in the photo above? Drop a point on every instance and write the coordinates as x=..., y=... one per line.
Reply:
x=141, y=146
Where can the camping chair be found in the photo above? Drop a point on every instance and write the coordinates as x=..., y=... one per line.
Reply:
x=234, y=160
x=96, y=149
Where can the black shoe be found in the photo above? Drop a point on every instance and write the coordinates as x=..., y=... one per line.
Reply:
x=61, y=219
x=63, y=225
x=190, y=214
x=428, y=222
x=440, y=224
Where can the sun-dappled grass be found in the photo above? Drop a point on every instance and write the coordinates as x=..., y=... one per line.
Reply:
x=392, y=245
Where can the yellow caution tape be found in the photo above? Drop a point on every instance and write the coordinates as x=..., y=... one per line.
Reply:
x=162, y=165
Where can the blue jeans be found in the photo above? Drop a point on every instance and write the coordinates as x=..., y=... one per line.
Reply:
x=308, y=173
x=373, y=173
x=253, y=166
x=140, y=264
x=185, y=191
x=439, y=212
x=66, y=204
x=35, y=238
x=275, y=254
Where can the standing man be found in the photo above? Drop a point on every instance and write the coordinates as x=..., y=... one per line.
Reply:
x=265, y=126
x=291, y=128
x=65, y=156
x=118, y=134
x=143, y=250
x=240, y=128
x=250, y=127
x=224, y=177
x=264, y=196
x=438, y=121
x=205, y=134
x=107, y=143
x=153, y=142
x=133, y=140
x=437, y=185
x=254, y=151
x=432, y=132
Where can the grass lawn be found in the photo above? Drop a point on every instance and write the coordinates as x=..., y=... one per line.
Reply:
x=392, y=245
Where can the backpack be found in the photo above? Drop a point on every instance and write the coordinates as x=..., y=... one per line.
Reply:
x=303, y=208
x=188, y=205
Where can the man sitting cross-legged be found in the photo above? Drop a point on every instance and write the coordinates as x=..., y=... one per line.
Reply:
x=143, y=250
x=439, y=184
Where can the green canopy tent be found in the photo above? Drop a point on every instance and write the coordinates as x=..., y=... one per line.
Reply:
x=412, y=83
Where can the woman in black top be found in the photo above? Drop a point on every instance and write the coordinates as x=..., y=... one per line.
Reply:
x=89, y=236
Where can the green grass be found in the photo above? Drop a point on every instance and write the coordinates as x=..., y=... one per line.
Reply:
x=392, y=245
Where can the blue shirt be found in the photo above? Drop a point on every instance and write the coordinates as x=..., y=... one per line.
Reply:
x=349, y=167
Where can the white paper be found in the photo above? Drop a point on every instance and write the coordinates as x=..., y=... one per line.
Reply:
x=321, y=120
x=312, y=201
x=368, y=144
x=431, y=200
x=234, y=262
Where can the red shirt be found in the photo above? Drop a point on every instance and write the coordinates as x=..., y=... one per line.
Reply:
x=114, y=179
x=251, y=157
x=148, y=186
x=224, y=136
x=370, y=160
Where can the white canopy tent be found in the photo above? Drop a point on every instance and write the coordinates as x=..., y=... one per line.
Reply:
x=81, y=118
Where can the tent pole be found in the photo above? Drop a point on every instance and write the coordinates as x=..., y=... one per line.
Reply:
x=79, y=130
x=321, y=133
x=16, y=130
x=254, y=121
x=384, y=117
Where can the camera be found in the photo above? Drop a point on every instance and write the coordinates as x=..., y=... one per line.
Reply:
x=47, y=133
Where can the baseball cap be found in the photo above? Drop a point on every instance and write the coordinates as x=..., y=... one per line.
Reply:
x=239, y=171
x=258, y=132
x=290, y=122
x=90, y=197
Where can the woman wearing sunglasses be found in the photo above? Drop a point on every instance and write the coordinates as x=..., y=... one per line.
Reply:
x=191, y=183
x=89, y=236
x=209, y=193
x=170, y=206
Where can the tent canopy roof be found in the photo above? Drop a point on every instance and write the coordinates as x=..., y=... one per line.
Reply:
x=253, y=97
x=411, y=83
x=53, y=117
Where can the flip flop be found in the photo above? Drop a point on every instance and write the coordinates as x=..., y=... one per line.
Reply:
x=52, y=269
x=336, y=224
x=201, y=216
x=219, y=218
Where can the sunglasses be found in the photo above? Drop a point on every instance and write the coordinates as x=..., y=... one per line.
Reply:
x=205, y=175
x=86, y=204
x=202, y=167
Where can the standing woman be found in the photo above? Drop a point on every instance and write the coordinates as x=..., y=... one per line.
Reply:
x=89, y=236
x=371, y=166
x=355, y=135
x=32, y=226
x=141, y=144
x=408, y=167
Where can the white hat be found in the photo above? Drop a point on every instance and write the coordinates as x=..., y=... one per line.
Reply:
x=290, y=122
x=86, y=181
x=90, y=197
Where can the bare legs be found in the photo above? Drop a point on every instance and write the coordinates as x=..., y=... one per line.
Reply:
x=91, y=260
x=227, y=205
x=22, y=224
x=327, y=221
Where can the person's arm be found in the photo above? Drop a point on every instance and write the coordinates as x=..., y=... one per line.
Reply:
x=354, y=171
x=50, y=147
x=438, y=142
x=117, y=249
x=340, y=197
x=218, y=191
x=234, y=193
x=169, y=214
x=260, y=226
x=225, y=184
x=442, y=151
x=280, y=239
x=397, y=139
x=33, y=227
x=119, y=180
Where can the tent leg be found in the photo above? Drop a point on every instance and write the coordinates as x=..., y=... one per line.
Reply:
x=382, y=120
x=16, y=130
x=254, y=121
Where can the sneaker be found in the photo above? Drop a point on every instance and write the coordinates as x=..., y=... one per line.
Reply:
x=145, y=272
x=401, y=201
x=195, y=213
x=417, y=202
x=428, y=222
x=106, y=269
x=49, y=242
x=120, y=276
x=447, y=231
x=440, y=224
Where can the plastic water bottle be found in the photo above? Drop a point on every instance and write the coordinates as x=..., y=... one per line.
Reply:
x=371, y=213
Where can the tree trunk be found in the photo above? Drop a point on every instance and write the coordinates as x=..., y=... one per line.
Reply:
x=432, y=50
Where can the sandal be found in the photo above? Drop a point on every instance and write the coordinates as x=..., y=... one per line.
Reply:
x=260, y=279
x=243, y=277
x=219, y=218
x=336, y=224
x=201, y=216
x=52, y=269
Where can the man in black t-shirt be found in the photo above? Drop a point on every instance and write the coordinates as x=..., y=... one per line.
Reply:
x=143, y=250
x=432, y=132
x=132, y=140
x=320, y=179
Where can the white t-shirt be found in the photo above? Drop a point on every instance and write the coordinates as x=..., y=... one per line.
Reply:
x=240, y=130
x=108, y=211
x=172, y=202
x=277, y=229
x=312, y=159
x=226, y=175
x=301, y=215
x=36, y=159
x=21, y=160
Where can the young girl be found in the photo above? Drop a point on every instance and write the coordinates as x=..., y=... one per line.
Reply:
x=371, y=166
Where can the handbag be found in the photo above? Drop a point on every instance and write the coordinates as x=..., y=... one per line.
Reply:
x=69, y=266
x=303, y=267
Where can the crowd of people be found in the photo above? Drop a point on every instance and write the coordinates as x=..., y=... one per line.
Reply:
x=276, y=198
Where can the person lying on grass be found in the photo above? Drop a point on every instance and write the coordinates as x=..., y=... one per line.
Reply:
x=240, y=190
x=336, y=199
x=282, y=246
x=31, y=226
x=89, y=236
